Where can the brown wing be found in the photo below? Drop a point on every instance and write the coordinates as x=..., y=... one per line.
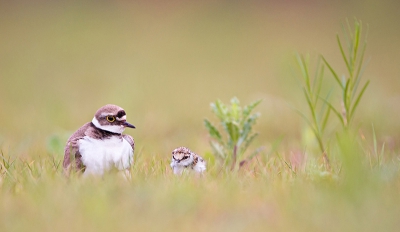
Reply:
x=130, y=140
x=71, y=152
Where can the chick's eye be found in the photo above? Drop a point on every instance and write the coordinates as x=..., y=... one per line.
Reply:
x=110, y=118
x=185, y=157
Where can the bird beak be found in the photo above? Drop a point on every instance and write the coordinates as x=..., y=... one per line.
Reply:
x=127, y=124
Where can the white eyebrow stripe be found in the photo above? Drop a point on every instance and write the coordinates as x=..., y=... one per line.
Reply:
x=123, y=118
x=105, y=114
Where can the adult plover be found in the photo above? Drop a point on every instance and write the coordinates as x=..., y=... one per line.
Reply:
x=99, y=145
x=183, y=158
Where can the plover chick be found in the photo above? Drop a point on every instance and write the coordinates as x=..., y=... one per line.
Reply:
x=183, y=158
x=99, y=146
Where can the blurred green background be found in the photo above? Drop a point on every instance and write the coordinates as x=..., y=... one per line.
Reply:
x=164, y=62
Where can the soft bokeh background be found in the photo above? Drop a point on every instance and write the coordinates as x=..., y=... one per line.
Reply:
x=165, y=61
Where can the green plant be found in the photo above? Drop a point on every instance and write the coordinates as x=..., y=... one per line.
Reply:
x=319, y=103
x=319, y=112
x=237, y=122
x=355, y=65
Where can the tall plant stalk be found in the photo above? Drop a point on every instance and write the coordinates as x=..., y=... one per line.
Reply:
x=319, y=104
x=349, y=84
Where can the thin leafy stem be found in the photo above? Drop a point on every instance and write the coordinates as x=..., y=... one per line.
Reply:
x=325, y=121
x=347, y=101
x=344, y=31
x=333, y=72
x=301, y=66
x=356, y=41
x=358, y=99
x=346, y=96
x=306, y=73
x=353, y=56
x=349, y=32
x=314, y=130
x=343, y=54
x=320, y=78
x=375, y=141
x=327, y=113
x=316, y=75
x=312, y=109
x=335, y=111
x=323, y=107
x=360, y=70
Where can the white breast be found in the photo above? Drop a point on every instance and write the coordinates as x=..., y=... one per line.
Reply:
x=200, y=166
x=178, y=168
x=100, y=156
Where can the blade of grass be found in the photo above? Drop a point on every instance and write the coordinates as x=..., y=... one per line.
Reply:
x=304, y=68
x=358, y=99
x=356, y=40
x=327, y=112
x=360, y=70
x=323, y=107
x=350, y=43
x=301, y=66
x=312, y=109
x=374, y=140
x=346, y=96
x=318, y=90
x=287, y=164
x=343, y=54
x=349, y=28
x=325, y=121
x=334, y=111
x=316, y=75
x=333, y=72
x=382, y=149
x=346, y=38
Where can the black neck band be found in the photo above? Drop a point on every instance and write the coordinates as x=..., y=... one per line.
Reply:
x=104, y=132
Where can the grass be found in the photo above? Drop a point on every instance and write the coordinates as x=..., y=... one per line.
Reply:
x=164, y=65
x=263, y=196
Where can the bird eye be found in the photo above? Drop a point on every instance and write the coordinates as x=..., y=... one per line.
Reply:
x=185, y=157
x=110, y=118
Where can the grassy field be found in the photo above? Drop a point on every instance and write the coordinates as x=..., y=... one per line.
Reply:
x=164, y=63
